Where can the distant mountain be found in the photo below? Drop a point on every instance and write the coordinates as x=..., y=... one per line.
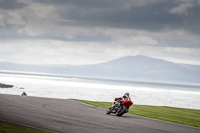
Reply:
x=137, y=68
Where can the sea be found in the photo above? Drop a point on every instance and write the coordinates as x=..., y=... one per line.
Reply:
x=97, y=89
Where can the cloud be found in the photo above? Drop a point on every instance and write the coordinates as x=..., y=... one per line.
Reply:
x=41, y=10
x=11, y=4
x=15, y=19
x=62, y=52
x=1, y=20
x=103, y=4
x=182, y=8
x=94, y=31
x=44, y=17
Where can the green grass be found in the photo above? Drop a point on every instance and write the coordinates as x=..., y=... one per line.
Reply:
x=189, y=117
x=13, y=128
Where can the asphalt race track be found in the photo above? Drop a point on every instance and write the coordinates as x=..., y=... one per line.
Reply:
x=68, y=116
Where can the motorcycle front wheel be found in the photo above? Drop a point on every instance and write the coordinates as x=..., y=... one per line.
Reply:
x=109, y=111
x=121, y=111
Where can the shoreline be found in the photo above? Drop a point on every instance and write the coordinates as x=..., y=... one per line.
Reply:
x=96, y=78
x=142, y=94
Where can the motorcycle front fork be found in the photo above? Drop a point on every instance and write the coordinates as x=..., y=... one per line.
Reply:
x=127, y=109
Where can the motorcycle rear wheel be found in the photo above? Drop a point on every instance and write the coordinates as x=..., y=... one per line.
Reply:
x=121, y=111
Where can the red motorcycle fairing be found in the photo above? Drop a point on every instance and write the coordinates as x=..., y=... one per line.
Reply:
x=127, y=103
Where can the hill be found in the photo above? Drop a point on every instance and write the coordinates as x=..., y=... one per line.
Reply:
x=138, y=68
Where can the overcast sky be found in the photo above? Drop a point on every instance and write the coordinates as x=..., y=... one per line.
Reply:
x=94, y=31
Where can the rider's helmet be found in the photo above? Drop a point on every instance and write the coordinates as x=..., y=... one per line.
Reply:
x=127, y=94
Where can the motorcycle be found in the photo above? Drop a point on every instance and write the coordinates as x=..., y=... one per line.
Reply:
x=120, y=107
x=24, y=94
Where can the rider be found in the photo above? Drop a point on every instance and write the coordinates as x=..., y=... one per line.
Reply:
x=125, y=98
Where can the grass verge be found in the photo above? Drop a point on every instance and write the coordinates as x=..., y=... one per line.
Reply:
x=189, y=117
x=13, y=128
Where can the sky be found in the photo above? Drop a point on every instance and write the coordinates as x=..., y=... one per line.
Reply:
x=93, y=31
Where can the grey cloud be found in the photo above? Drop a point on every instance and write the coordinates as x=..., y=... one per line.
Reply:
x=11, y=4
x=148, y=15
x=98, y=4
x=152, y=17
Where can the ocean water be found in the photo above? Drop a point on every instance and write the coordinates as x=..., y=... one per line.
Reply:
x=65, y=87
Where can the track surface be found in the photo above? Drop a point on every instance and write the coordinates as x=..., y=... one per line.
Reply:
x=68, y=116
